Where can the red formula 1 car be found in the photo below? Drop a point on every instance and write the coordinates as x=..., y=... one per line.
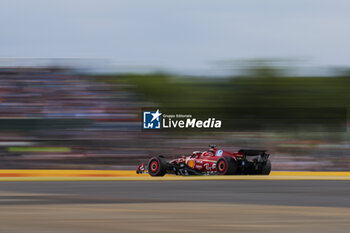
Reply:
x=213, y=161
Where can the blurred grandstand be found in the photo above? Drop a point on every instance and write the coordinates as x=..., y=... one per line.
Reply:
x=59, y=118
x=56, y=118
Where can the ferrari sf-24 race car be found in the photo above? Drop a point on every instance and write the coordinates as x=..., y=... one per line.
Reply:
x=211, y=162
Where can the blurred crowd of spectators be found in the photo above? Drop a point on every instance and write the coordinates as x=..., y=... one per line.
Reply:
x=48, y=107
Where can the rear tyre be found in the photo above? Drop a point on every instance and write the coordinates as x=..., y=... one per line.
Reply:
x=157, y=166
x=226, y=165
x=266, y=168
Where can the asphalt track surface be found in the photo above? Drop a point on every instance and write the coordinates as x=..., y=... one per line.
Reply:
x=198, y=206
x=261, y=192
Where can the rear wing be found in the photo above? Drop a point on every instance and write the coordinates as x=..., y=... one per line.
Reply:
x=253, y=152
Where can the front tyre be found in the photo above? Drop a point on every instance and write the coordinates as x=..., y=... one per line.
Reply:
x=157, y=166
x=226, y=165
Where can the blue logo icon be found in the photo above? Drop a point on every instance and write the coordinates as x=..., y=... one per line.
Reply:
x=219, y=153
x=151, y=120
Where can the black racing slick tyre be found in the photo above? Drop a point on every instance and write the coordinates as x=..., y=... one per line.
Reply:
x=226, y=165
x=266, y=168
x=157, y=166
